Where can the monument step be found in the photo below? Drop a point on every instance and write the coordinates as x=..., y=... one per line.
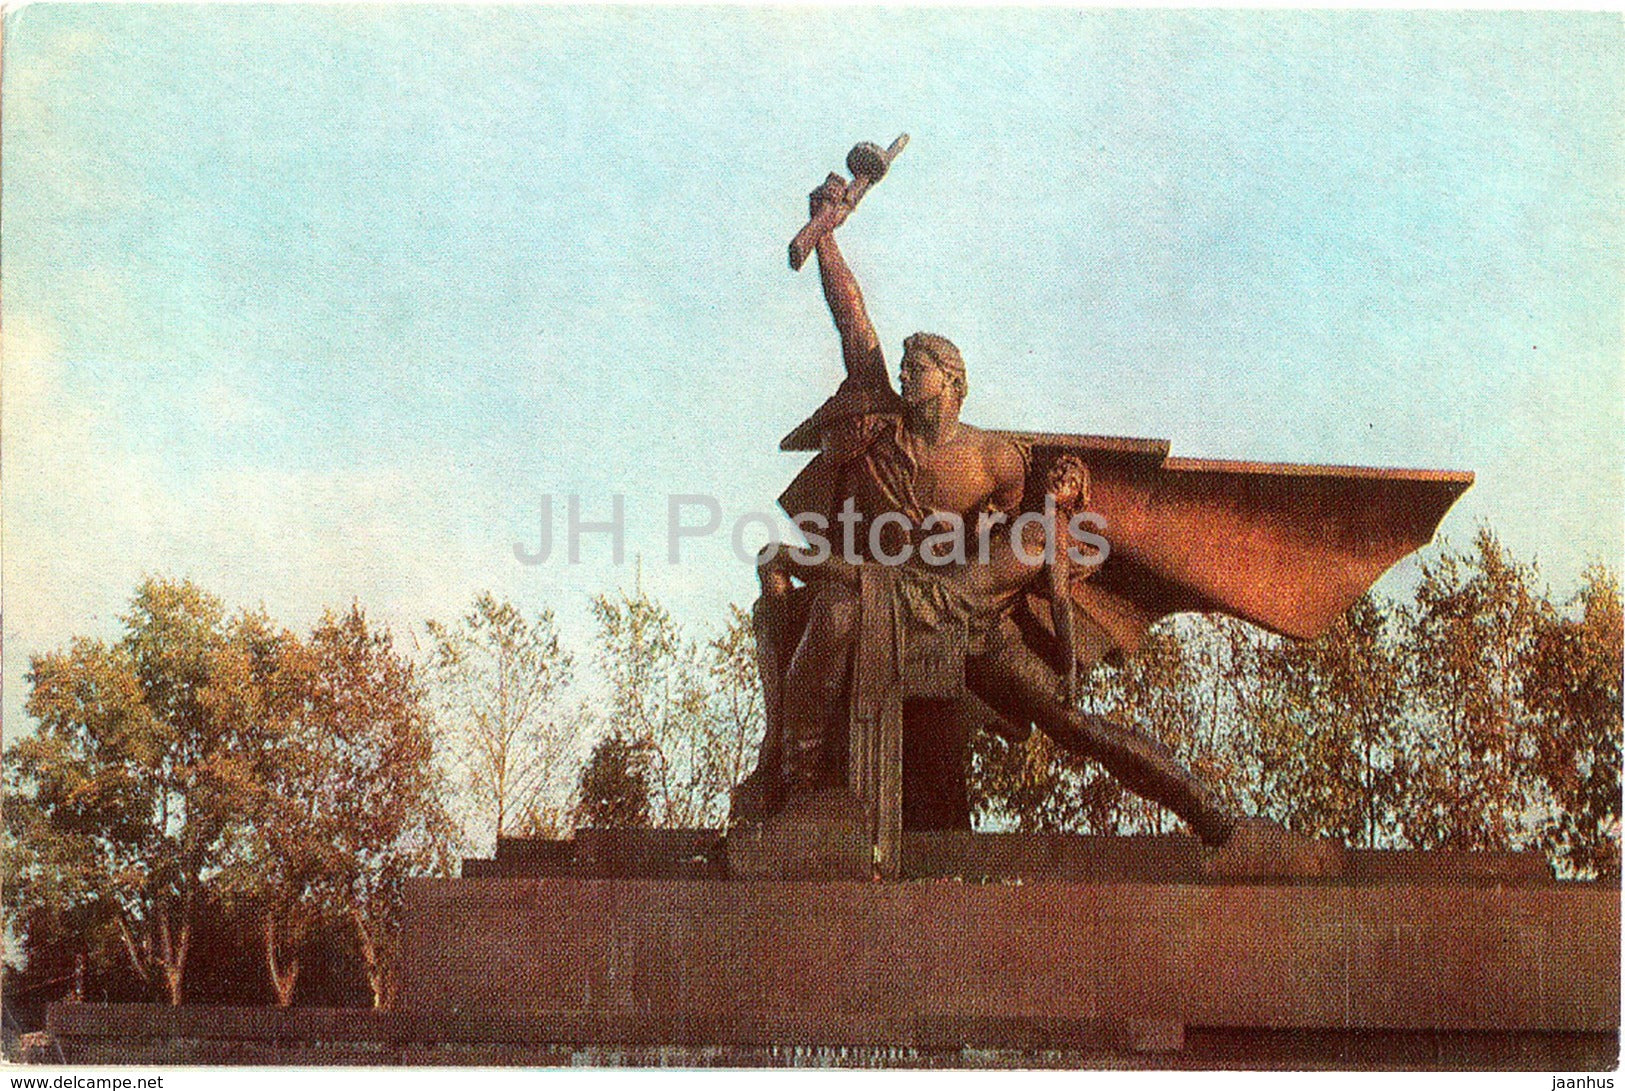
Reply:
x=155, y=1034
x=607, y=854
x=698, y=854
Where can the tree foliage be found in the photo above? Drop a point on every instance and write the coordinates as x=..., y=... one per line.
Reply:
x=276, y=870
x=213, y=775
x=1330, y=734
x=205, y=761
x=499, y=678
x=736, y=715
x=1574, y=686
x=696, y=710
x=614, y=788
x=382, y=795
x=1472, y=632
x=121, y=805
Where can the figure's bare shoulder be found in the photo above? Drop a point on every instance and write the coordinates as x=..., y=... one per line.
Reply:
x=1000, y=455
x=1001, y=460
x=968, y=435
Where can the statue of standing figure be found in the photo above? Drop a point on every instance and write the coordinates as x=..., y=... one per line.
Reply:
x=884, y=451
x=907, y=638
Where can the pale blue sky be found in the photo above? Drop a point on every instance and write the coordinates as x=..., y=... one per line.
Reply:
x=311, y=303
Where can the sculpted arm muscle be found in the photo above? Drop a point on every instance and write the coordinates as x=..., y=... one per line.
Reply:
x=860, y=346
x=1009, y=472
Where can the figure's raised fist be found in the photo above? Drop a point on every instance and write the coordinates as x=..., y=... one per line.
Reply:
x=833, y=201
x=831, y=194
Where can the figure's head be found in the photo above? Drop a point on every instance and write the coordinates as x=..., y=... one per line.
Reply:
x=1068, y=483
x=931, y=368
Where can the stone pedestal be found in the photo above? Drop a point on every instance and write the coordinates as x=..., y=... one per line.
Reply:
x=819, y=835
x=1117, y=946
x=637, y=947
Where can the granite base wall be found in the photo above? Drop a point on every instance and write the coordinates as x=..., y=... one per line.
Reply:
x=843, y=958
x=1001, y=951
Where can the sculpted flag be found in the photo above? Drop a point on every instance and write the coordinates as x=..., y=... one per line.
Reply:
x=1287, y=547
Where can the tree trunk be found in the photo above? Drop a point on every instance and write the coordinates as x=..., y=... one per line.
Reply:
x=141, y=966
x=283, y=978
x=377, y=973
x=172, y=985
x=172, y=956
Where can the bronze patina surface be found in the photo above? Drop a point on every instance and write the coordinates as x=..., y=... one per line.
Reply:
x=881, y=698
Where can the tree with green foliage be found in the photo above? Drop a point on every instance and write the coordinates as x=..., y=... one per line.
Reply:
x=199, y=762
x=658, y=699
x=1471, y=637
x=614, y=789
x=1330, y=730
x=277, y=867
x=1476, y=715
x=122, y=805
x=696, y=710
x=1032, y=786
x=499, y=677
x=736, y=716
x=381, y=797
x=1574, y=684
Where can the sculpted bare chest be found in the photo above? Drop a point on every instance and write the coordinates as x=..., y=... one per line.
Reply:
x=899, y=472
x=953, y=478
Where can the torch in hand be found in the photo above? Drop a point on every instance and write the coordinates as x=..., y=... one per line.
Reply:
x=868, y=164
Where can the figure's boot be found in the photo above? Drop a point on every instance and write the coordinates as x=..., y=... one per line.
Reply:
x=813, y=696
x=810, y=729
x=1260, y=849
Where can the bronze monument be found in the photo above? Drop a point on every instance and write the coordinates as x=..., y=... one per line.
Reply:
x=876, y=676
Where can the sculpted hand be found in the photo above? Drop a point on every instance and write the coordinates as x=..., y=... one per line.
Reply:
x=833, y=193
x=775, y=580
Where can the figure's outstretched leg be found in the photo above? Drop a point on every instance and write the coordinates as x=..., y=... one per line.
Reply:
x=1017, y=682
